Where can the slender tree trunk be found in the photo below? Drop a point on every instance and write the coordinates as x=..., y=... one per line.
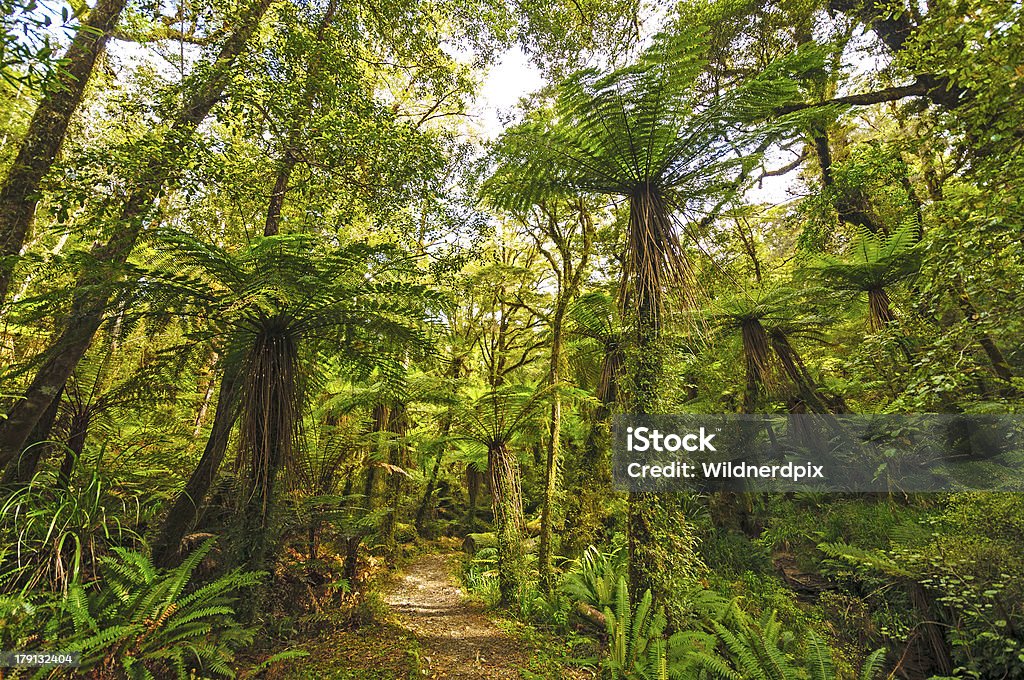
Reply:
x=272, y=227
x=78, y=429
x=428, y=494
x=185, y=509
x=599, y=432
x=352, y=557
x=547, y=576
x=446, y=426
x=20, y=191
x=508, y=522
x=380, y=425
x=1000, y=365
x=569, y=275
x=398, y=425
x=473, y=483
x=93, y=290
x=204, y=408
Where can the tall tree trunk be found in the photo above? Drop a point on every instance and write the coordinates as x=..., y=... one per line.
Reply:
x=474, y=480
x=995, y=355
x=446, y=427
x=508, y=522
x=599, y=432
x=20, y=191
x=204, y=408
x=380, y=425
x=547, y=576
x=428, y=494
x=93, y=289
x=185, y=509
x=661, y=547
x=650, y=234
x=569, y=275
x=398, y=426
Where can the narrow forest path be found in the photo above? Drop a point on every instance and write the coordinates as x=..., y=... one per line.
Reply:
x=431, y=630
x=456, y=639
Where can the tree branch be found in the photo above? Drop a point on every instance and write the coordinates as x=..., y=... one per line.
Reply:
x=919, y=88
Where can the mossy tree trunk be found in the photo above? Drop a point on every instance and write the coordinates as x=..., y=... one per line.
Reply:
x=569, y=267
x=547, y=576
x=445, y=430
x=398, y=426
x=185, y=509
x=652, y=252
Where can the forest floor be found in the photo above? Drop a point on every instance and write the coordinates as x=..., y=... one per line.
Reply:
x=430, y=629
x=456, y=639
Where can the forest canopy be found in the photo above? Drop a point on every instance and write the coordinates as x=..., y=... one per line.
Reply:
x=310, y=358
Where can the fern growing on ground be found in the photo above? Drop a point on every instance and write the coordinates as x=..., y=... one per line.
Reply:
x=151, y=623
x=636, y=638
x=743, y=648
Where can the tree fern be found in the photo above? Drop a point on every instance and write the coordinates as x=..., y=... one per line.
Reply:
x=872, y=264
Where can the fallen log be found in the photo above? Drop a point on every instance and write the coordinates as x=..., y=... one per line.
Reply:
x=592, y=616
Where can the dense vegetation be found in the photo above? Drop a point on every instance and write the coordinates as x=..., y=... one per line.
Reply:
x=277, y=312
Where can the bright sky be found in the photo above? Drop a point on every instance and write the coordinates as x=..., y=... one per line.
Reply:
x=513, y=77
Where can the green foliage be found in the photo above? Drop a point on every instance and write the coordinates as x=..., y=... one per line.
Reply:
x=151, y=623
x=739, y=192
x=968, y=573
x=53, y=534
x=636, y=643
x=594, y=578
x=741, y=647
x=482, y=576
x=143, y=621
x=873, y=260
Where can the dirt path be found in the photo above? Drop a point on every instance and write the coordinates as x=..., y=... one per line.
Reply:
x=456, y=639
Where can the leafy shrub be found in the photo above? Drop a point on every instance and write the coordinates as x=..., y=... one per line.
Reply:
x=481, y=576
x=637, y=649
x=740, y=647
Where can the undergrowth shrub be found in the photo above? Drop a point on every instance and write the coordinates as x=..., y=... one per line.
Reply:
x=481, y=576
x=52, y=534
